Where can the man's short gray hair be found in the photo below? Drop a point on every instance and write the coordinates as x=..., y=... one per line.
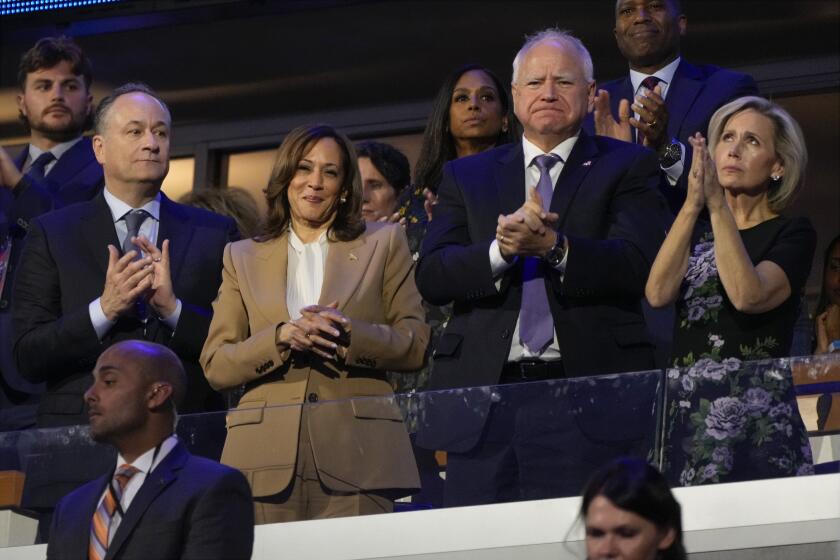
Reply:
x=562, y=37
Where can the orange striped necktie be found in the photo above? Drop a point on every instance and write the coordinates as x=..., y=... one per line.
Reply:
x=105, y=512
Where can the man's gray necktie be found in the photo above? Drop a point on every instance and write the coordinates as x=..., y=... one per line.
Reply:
x=36, y=171
x=536, y=325
x=133, y=220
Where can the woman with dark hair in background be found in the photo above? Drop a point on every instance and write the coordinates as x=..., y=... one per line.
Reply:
x=385, y=174
x=827, y=322
x=630, y=514
x=234, y=202
x=471, y=113
x=315, y=309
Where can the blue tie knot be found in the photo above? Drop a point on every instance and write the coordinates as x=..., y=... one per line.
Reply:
x=546, y=161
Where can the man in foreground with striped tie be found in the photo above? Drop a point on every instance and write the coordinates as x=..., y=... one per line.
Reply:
x=159, y=502
x=544, y=246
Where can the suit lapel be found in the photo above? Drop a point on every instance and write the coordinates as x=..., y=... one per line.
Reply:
x=580, y=161
x=623, y=91
x=83, y=518
x=156, y=482
x=73, y=161
x=97, y=230
x=267, y=280
x=345, y=267
x=174, y=225
x=510, y=180
x=685, y=88
x=21, y=158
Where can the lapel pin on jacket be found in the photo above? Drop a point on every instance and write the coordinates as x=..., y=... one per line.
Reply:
x=587, y=163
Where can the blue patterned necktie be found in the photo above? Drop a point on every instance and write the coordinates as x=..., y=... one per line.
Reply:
x=536, y=325
x=36, y=171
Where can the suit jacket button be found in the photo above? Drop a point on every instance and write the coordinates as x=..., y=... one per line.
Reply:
x=312, y=397
x=505, y=334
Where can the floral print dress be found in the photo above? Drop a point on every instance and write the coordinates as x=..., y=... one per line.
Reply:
x=731, y=411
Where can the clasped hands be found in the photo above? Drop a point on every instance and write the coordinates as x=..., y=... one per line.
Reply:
x=528, y=232
x=128, y=280
x=652, y=122
x=321, y=329
x=703, y=186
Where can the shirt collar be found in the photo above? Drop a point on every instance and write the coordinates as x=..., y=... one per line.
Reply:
x=143, y=463
x=563, y=149
x=665, y=74
x=299, y=245
x=120, y=208
x=58, y=150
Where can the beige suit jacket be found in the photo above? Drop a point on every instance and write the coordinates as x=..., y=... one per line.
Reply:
x=359, y=444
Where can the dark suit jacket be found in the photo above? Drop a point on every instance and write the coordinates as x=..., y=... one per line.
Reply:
x=188, y=508
x=694, y=94
x=614, y=220
x=75, y=177
x=63, y=269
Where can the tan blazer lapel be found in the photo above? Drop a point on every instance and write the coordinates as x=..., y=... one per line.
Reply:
x=346, y=264
x=267, y=282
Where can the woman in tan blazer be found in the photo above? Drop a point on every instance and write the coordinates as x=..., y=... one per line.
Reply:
x=313, y=312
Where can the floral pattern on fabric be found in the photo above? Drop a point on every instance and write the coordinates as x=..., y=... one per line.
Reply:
x=731, y=414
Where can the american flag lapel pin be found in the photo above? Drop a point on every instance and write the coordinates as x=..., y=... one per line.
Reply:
x=587, y=163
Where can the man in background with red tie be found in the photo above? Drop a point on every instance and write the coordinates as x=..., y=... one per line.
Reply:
x=159, y=501
x=544, y=247
x=662, y=102
x=664, y=99
x=55, y=169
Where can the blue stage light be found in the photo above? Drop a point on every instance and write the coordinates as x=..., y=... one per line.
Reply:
x=8, y=7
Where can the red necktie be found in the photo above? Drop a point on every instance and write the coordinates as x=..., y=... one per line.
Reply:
x=647, y=84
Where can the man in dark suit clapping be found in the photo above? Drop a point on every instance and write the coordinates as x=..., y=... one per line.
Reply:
x=544, y=246
x=129, y=264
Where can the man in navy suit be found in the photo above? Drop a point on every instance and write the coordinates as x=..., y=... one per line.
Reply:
x=158, y=500
x=681, y=102
x=76, y=293
x=57, y=168
x=581, y=249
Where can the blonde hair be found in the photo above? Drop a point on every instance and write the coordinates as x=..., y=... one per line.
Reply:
x=788, y=140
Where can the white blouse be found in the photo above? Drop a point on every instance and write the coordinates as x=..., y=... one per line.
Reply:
x=304, y=272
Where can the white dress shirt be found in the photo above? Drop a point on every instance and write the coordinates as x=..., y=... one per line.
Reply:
x=149, y=229
x=144, y=464
x=58, y=150
x=666, y=76
x=304, y=272
x=498, y=265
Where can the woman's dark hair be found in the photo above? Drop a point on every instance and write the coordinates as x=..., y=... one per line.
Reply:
x=348, y=223
x=633, y=485
x=234, y=202
x=389, y=161
x=822, y=303
x=438, y=146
